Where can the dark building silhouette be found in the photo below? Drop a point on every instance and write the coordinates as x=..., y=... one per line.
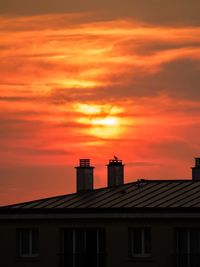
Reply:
x=146, y=223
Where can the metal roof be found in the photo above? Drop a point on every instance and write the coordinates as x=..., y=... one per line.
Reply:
x=139, y=194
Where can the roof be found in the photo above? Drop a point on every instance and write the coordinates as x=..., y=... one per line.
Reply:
x=139, y=194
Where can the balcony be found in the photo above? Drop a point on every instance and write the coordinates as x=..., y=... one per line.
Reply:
x=82, y=260
x=187, y=260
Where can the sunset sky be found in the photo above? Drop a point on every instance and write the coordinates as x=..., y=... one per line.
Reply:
x=94, y=79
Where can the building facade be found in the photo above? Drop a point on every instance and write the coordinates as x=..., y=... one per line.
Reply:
x=149, y=223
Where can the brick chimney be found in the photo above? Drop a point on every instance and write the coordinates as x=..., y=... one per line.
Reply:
x=115, y=172
x=84, y=176
x=196, y=170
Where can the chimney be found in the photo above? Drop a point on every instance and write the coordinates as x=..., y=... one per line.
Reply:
x=196, y=170
x=84, y=176
x=115, y=172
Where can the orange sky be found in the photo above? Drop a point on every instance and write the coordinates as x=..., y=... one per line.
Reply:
x=92, y=82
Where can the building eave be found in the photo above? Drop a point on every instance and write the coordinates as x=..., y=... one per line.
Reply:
x=137, y=213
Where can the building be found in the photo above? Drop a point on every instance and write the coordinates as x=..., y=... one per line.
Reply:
x=146, y=223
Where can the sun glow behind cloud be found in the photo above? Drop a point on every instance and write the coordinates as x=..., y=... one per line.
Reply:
x=103, y=120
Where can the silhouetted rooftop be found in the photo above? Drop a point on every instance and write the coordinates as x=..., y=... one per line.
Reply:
x=139, y=194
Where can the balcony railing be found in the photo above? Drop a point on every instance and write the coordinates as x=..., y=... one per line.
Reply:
x=82, y=260
x=187, y=260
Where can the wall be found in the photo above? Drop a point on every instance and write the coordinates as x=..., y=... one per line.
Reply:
x=116, y=240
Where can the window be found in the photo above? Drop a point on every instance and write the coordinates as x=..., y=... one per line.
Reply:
x=140, y=242
x=187, y=246
x=84, y=247
x=27, y=242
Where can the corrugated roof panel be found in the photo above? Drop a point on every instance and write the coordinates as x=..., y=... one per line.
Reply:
x=194, y=198
x=186, y=196
x=158, y=189
x=154, y=196
x=167, y=194
x=17, y=206
x=142, y=194
x=82, y=198
x=95, y=195
x=50, y=202
x=40, y=203
x=134, y=191
x=29, y=204
x=69, y=201
x=117, y=193
x=179, y=195
x=197, y=205
x=191, y=203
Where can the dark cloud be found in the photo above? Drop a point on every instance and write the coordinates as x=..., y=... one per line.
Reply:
x=40, y=151
x=158, y=46
x=151, y=11
x=141, y=164
x=178, y=78
x=18, y=98
x=17, y=128
x=61, y=96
